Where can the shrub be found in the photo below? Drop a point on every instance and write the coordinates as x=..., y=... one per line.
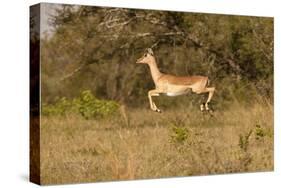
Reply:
x=86, y=105
x=89, y=106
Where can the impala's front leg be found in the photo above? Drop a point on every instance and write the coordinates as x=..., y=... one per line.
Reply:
x=151, y=93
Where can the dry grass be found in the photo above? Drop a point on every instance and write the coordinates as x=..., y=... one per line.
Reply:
x=141, y=144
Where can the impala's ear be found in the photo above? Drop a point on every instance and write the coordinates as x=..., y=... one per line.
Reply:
x=149, y=50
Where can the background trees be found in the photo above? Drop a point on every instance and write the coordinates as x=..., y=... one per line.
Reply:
x=96, y=48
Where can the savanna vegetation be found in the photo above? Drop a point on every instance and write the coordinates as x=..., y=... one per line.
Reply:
x=96, y=124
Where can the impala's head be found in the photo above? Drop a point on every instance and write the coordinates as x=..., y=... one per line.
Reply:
x=147, y=57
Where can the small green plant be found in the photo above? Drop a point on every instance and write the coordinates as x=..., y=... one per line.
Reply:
x=179, y=134
x=259, y=132
x=244, y=141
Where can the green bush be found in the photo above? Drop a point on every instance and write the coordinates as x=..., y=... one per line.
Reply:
x=89, y=106
x=86, y=105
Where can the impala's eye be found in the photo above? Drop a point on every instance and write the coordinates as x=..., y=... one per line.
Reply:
x=145, y=55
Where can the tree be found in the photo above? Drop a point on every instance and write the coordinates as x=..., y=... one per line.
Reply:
x=97, y=48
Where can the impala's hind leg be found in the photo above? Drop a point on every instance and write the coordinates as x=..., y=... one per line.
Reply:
x=211, y=91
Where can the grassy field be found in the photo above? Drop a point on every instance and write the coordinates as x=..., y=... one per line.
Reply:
x=139, y=143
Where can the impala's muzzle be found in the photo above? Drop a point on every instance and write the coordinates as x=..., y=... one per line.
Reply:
x=139, y=60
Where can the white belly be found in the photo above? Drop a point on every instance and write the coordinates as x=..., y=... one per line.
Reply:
x=176, y=94
x=176, y=90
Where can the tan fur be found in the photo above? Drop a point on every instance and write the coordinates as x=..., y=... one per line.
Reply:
x=181, y=80
x=174, y=85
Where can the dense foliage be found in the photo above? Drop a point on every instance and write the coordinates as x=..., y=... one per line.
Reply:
x=87, y=105
x=96, y=49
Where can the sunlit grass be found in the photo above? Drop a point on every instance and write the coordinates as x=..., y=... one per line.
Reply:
x=139, y=143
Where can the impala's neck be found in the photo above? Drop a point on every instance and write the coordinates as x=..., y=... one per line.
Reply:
x=155, y=73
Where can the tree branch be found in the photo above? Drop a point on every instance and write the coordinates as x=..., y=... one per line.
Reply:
x=73, y=72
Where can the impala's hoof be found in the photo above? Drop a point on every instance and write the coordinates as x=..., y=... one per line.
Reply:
x=157, y=110
x=211, y=111
x=202, y=107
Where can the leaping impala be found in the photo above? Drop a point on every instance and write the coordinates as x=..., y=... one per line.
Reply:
x=174, y=85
